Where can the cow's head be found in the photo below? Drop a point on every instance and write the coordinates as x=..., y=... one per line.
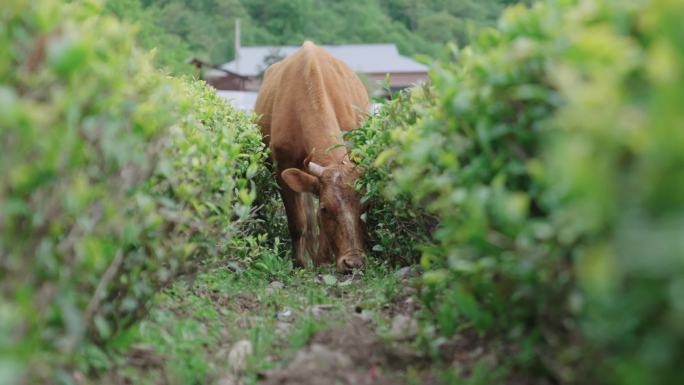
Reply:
x=339, y=208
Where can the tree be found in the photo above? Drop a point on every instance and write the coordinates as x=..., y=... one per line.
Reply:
x=181, y=29
x=442, y=27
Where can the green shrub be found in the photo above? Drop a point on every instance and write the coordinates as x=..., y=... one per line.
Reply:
x=616, y=172
x=115, y=179
x=394, y=224
x=553, y=161
x=498, y=267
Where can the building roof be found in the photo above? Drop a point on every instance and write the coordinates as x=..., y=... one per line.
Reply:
x=201, y=64
x=362, y=58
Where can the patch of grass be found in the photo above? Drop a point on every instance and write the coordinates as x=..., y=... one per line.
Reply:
x=192, y=326
x=303, y=331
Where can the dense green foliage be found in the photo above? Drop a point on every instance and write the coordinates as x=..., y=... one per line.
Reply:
x=115, y=180
x=171, y=51
x=394, y=225
x=205, y=29
x=616, y=173
x=552, y=156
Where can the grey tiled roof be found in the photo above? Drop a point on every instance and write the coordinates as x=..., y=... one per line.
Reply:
x=362, y=58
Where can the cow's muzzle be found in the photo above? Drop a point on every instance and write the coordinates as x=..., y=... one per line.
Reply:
x=350, y=261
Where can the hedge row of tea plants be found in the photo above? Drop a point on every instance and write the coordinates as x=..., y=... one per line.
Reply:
x=552, y=153
x=115, y=179
x=394, y=225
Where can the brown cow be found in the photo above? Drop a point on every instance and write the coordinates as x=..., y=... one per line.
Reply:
x=305, y=102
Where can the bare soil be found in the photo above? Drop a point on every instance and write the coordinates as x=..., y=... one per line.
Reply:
x=354, y=353
x=348, y=354
x=365, y=332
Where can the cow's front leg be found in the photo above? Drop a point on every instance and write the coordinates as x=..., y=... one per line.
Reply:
x=324, y=254
x=296, y=222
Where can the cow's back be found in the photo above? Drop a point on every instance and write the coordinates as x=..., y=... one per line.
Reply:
x=306, y=100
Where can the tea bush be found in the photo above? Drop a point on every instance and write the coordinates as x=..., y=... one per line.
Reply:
x=553, y=161
x=615, y=173
x=497, y=266
x=115, y=180
x=395, y=225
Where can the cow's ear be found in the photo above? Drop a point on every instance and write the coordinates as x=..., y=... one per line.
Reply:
x=300, y=181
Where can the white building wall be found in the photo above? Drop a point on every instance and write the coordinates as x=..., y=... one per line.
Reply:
x=240, y=100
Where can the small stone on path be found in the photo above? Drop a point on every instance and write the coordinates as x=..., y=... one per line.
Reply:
x=318, y=310
x=274, y=286
x=285, y=315
x=407, y=272
x=237, y=358
x=403, y=327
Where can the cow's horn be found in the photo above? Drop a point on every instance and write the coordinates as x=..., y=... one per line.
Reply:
x=315, y=169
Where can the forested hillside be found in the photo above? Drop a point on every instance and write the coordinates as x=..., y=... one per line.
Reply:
x=181, y=29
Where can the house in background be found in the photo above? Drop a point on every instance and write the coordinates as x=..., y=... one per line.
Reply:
x=221, y=79
x=372, y=62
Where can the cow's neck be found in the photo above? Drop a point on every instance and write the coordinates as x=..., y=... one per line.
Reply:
x=327, y=148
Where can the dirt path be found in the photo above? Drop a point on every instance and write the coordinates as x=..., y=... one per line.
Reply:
x=271, y=324
x=358, y=350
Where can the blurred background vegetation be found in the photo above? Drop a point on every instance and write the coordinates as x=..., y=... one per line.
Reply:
x=205, y=29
